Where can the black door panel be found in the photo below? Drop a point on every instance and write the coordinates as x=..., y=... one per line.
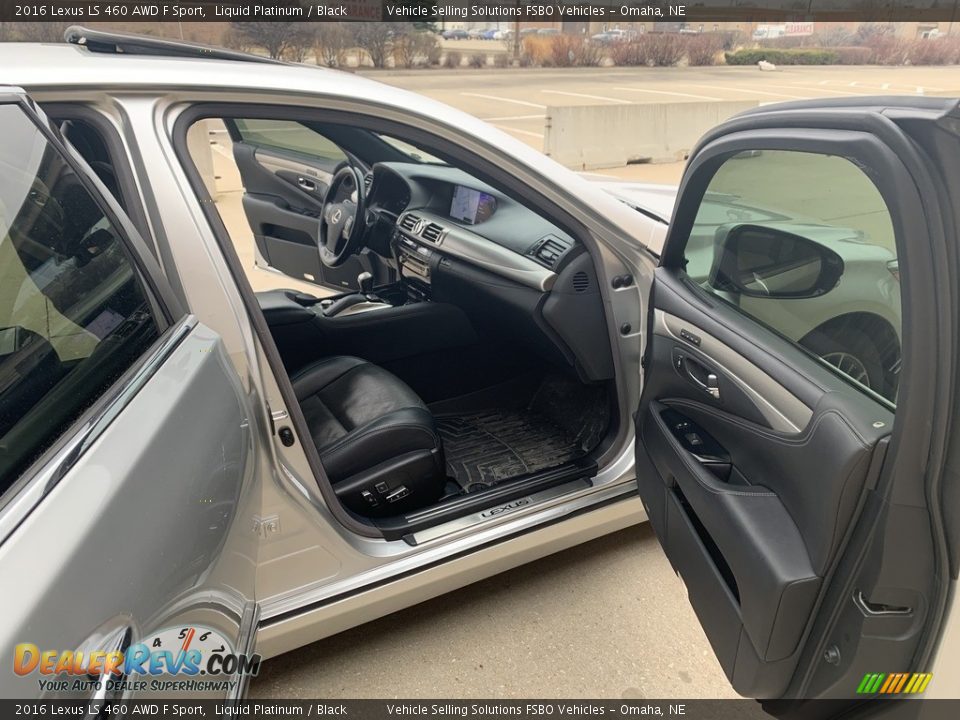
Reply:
x=283, y=198
x=285, y=237
x=274, y=173
x=748, y=486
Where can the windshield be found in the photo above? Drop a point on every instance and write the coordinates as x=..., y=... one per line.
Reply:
x=411, y=151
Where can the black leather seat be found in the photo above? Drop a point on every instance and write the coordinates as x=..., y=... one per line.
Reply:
x=376, y=438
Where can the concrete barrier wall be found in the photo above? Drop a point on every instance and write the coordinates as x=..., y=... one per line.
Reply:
x=198, y=143
x=586, y=137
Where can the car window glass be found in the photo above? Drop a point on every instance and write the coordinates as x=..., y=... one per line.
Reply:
x=73, y=313
x=804, y=243
x=288, y=135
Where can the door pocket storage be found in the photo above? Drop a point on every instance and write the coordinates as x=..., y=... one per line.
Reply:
x=757, y=560
x=715, y=605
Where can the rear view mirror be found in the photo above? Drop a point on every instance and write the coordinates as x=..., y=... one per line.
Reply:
x=762, y=261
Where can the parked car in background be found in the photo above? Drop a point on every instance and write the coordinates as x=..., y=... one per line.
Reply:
x=454, y=34
x=501, y=360
x=855, y=326
x=490, y=34
x=615, y=35
x=607, y=37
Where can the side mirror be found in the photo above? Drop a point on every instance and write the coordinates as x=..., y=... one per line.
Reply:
x=762, y=261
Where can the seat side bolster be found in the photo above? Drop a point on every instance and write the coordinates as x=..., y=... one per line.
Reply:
x=393, y=434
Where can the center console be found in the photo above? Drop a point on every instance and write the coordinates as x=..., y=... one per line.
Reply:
x=417, y=264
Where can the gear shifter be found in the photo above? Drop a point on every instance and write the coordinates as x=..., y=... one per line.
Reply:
x=366, y=294
x=365, y=282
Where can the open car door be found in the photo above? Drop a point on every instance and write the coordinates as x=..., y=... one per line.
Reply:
x=286, y=168
x=127, y=459
x=797, y=413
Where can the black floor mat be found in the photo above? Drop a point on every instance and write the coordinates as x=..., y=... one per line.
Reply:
x=486, y=447
x=562, y=422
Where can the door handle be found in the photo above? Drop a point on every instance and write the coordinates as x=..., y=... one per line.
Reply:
x=700, y=376
x=306, y=184
x=871, y=609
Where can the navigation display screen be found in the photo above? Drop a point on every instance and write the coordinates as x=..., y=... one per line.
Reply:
x=471, y=206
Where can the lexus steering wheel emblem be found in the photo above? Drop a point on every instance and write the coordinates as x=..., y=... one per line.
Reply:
x=337, y=214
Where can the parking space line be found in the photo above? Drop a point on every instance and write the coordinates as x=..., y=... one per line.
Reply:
x=504, y=118
x=665, y=92
x=820, y=89
x=918, y=89
x=509, y=129
x=503, y=99
x=589, y=97
x=759, y=92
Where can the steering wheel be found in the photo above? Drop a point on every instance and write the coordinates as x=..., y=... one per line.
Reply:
x=343, y=218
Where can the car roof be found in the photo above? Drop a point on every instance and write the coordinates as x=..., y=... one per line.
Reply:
x=36, y=66
x=59, y=68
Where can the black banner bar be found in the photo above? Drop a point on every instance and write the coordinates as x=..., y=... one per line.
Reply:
x=610, y=11
x=158, y=708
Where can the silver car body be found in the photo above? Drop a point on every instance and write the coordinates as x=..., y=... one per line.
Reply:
x=309, y=576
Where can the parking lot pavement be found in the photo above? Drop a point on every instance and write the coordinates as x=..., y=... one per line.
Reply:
x=608, y=619
x=516, y=100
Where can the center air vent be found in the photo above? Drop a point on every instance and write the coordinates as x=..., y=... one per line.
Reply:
x=549, y=250
x=409, y=221
x=581, y=282
x=367, y=182
x=432, y=232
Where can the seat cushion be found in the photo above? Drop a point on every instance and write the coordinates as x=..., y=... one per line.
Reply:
x=360, y=415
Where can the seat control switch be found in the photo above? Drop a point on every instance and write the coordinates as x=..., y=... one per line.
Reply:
x=398, y=493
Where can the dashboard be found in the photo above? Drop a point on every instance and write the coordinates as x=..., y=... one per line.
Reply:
x=462, y=215
x=454, y=239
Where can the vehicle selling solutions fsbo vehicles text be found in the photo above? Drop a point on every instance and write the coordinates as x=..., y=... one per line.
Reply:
x=531, y=11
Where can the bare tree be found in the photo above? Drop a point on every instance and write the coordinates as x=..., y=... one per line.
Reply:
x=301, y=42
x=38, y=31
x=376, y=38
x=419, y=47
x=333, y=42
x=277, y=38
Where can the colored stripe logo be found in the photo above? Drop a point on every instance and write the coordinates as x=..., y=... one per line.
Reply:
x=893, y=683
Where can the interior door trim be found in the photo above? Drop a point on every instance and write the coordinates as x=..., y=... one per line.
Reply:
x=275, y=163
x=783, y=410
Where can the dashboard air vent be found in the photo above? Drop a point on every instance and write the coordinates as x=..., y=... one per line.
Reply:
x=581, y=282
x=367, y=181
x=550, y=250
x=432, y=232
x=409, y=221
